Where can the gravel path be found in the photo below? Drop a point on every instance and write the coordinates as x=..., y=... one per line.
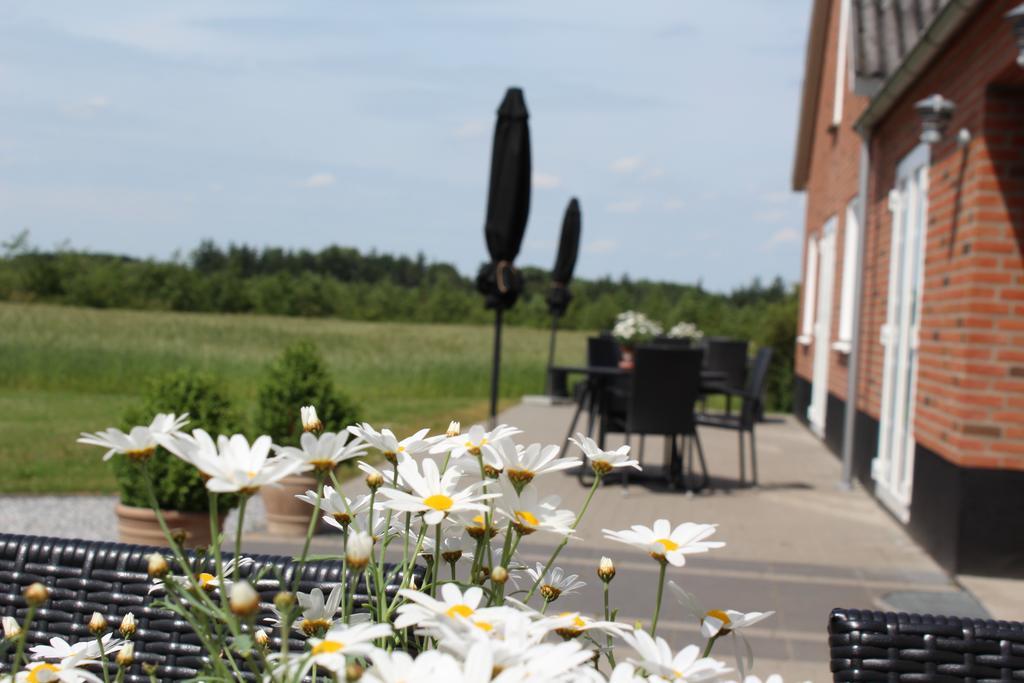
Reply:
x=86, y=517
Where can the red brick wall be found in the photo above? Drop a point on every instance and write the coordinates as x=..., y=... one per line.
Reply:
x=970, y=407
x=832, y=183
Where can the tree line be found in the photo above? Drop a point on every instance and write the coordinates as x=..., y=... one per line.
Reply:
x=343, y=282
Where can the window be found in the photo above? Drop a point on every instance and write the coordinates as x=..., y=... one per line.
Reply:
x=841, y=51
x=810, y=285
x=851, y=244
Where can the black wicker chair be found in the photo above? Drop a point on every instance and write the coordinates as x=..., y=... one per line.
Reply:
x=111, y=578
x=920, y=648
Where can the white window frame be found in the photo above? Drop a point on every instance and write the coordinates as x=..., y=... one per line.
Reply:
x=810, y=292
x=842, y=42
x=851, y=246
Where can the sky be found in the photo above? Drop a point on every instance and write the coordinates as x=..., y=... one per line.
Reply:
x=143, y=128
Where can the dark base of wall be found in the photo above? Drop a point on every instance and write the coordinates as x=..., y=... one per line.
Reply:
x=970, y=520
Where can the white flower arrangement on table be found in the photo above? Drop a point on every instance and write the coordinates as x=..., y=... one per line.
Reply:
x=473, y=612
x=632, y=328
x=685, y=330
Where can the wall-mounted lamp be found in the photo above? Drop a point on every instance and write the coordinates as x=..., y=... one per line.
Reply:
x=1016, y=17
x=963, y=138
x=935, y=112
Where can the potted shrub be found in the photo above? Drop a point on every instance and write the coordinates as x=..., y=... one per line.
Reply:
x=685, y=332
x=633, y=328
x=297, y=378
x=180, y=491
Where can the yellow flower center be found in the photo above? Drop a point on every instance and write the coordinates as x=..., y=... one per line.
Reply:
x=460, y=611
x=140, y=454
x=205, y=580
x=474, y=448
x=527, y=517
x=720, y=615
x=483, y=626
x=312, y=626
x=34, y=673
x=668, y=544
x=322, y=465
x=251, y=474
x=328, y=647
x=438, y=501
x=401, y=449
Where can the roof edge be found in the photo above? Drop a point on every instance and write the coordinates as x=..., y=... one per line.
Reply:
x=813, y=63
x=946, y=23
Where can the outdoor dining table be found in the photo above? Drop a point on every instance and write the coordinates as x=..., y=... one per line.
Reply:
x=596, y=393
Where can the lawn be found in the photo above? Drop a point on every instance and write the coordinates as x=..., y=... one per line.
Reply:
x=65, y=370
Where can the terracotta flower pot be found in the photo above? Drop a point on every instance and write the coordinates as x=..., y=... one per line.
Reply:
x=286, y=514
x=139, y=525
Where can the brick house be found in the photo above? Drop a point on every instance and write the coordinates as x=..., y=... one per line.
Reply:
x=912, y=296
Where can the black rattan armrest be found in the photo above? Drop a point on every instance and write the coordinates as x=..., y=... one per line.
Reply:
x=111, y=578
x=921, y=648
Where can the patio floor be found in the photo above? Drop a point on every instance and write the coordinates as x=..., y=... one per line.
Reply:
x=796, y=545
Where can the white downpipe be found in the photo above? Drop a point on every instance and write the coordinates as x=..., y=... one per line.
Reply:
x=853, y=366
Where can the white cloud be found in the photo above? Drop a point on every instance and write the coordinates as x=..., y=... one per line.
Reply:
x=546, y=181
x=88, y=107
x=769, y=216
x=626, y=164
x=625, y=206
x=653, y=173
x=600, y=246
x=783, y=236
x=473, y=128
x=319, y=180
x=672, y=204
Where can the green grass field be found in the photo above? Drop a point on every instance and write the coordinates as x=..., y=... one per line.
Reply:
x=66, y=370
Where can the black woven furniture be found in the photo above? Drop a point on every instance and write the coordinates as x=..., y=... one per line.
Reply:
x=110, y=578
x=665, y=386
x=728, y=357
x=920, y=648
x=752, y=398
x=602, y=352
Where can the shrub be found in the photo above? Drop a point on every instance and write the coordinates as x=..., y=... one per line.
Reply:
x=299, y=377
x=177, y=484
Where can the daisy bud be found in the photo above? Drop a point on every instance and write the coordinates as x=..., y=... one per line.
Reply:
x=149, y=668
x=127, y=627
x=36, y=594
x=179, y=536
x=97, y=624
x=284, y=601
x=126, y=655
x=374, y=480
x=11, y=628
x=261, y=638
x=550, y=593
x=606, y=569
x=358, y=550
x=156, y=566
x=454, y=429
x=310, y=422
x=499, y=575
x=491, y=472
x=244, y=600
x=353, y=672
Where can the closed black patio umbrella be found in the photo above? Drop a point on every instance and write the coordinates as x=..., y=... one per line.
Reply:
x=559, y=296
x=508, y=206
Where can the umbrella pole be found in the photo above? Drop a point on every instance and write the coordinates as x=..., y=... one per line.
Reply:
x=551, y=353
x=496, y=365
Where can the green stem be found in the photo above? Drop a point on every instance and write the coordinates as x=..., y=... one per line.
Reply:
x=238, y=536
x=452, y=565
x=103, y=657
x=710, y=645
x=661, y=590
x=22, y=639
x=310, y=528
x=435, y=574
x=608, y=617
x=558, y=549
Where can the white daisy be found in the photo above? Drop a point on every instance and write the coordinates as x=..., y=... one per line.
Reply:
x=342, y=641
x=140, y=442
x=317, y=613
x=232, y=465
x=555, y=582
x=666, y=544
x=574, y=624
x=325, y=451
x=428, y=667
x=387, y=443
x=60, y=649
x=528, y=512
x=547, y=662
x=522, y=463
x=477, y=442
x=602, y=461
x=65, y=671
x=310, y=421
x=715, y=623
x=433, y=494
x=339, y=510
x=656, y=657
x=422, y=608
x=206, y=580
